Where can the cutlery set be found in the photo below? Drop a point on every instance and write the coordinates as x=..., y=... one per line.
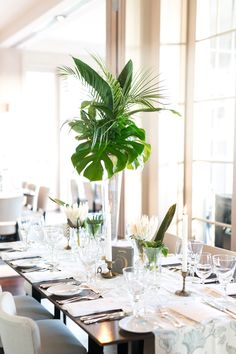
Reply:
x=92, y=296
x=220, y=307
x=100, y=317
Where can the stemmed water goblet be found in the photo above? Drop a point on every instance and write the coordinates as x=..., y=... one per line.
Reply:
x=35, y=232
x=53, y=234
x=224, y=268
x=204, y=266
x=88, y=252
x=135, y=278
x=195, y=251
x=24, y=223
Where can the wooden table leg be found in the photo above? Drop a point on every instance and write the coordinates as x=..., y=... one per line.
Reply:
x=122, y=348
x=36, y=294
x=137, y=347
x=57, y=313
x=93, y=347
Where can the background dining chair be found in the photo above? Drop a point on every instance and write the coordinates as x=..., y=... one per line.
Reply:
x=10, y=211
x=30, y=192
x=42, y=200
x=22, y=335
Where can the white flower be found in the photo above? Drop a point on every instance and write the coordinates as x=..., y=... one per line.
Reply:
x=76, y=215
x=144, y=228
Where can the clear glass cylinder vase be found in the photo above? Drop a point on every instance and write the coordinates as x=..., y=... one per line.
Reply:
x=111, y=191
x=153, y=265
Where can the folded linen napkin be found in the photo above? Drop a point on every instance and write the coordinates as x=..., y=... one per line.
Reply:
x=7, y=256
x=170, y=260
x=230, y=290
x=36, y=277
x=82, y=308
x=196, y=311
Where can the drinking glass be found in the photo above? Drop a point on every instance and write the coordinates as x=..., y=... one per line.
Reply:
x=179, y=250
x=35, y=233
x=204, y=266
x=195, y=251
x=224, y=267
x=88, y=253
x=24, y=223
x=53, y=234
x=135, y=279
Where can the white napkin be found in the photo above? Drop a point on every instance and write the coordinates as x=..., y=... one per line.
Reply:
x=7, y=271
x=169, y=260
x=21, y=254
x=230, y=290
x=196, y=311
x=36, y=277
x=82, y=308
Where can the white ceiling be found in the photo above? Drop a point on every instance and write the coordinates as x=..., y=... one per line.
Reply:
x=31, y=25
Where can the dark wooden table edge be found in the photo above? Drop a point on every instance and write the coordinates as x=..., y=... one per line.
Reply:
x=95, y=346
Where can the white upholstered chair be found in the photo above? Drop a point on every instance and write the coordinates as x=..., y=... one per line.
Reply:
x=10, y=210
x=22, y=335
x=29, y=307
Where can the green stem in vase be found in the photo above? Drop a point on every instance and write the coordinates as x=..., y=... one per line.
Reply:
x=78, y=237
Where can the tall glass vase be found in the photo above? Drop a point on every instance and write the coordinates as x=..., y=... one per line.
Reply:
x=111, y=191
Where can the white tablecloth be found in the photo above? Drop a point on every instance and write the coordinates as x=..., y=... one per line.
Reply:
x=211, y=332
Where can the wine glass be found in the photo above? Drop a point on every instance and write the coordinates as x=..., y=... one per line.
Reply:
x=178, y=249
x=224, y=267
x=35, y=232
x=24, y=223
x=135, y=280
x=204, y=266
x=53, y=234
x=88, y=253
x=195, y=251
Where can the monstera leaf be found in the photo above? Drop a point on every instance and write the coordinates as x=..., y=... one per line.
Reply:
x=109, y=140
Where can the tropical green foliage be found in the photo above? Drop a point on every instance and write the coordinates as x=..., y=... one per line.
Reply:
x=93, y=224
x=108, y=138
x=165, y=224
x=157, y=241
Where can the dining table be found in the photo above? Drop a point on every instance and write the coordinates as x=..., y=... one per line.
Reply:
x=204, y=318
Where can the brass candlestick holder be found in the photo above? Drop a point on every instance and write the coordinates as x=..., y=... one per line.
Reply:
x=109, y=274
x=183, y=292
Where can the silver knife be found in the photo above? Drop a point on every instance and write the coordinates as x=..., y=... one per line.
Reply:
x=106, y=318
x=221, y=308
x=97, y=315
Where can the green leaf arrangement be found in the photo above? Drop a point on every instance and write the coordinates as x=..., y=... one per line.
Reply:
x=158, y=238
x=109, y=140
x=93, y=224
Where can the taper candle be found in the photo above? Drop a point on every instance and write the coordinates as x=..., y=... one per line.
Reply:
x=185, y=242
x=108, y=237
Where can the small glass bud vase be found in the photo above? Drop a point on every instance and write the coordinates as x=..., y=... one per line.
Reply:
x=75, y=237
x=153, y=265
x=152, y=257
x=140, y=252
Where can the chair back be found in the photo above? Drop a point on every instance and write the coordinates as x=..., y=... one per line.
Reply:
x=18, y=334
x=42, y=199
x=30, y=199
x=170, y=241
x=10, y=211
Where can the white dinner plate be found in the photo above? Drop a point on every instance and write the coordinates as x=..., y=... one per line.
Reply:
x=131, y=324
x=25, y=263
x=64, y=290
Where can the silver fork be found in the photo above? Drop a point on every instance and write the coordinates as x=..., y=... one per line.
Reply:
x=175, y=321
x=76, y=298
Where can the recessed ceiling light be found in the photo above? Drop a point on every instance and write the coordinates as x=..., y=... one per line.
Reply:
x=60, y=18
